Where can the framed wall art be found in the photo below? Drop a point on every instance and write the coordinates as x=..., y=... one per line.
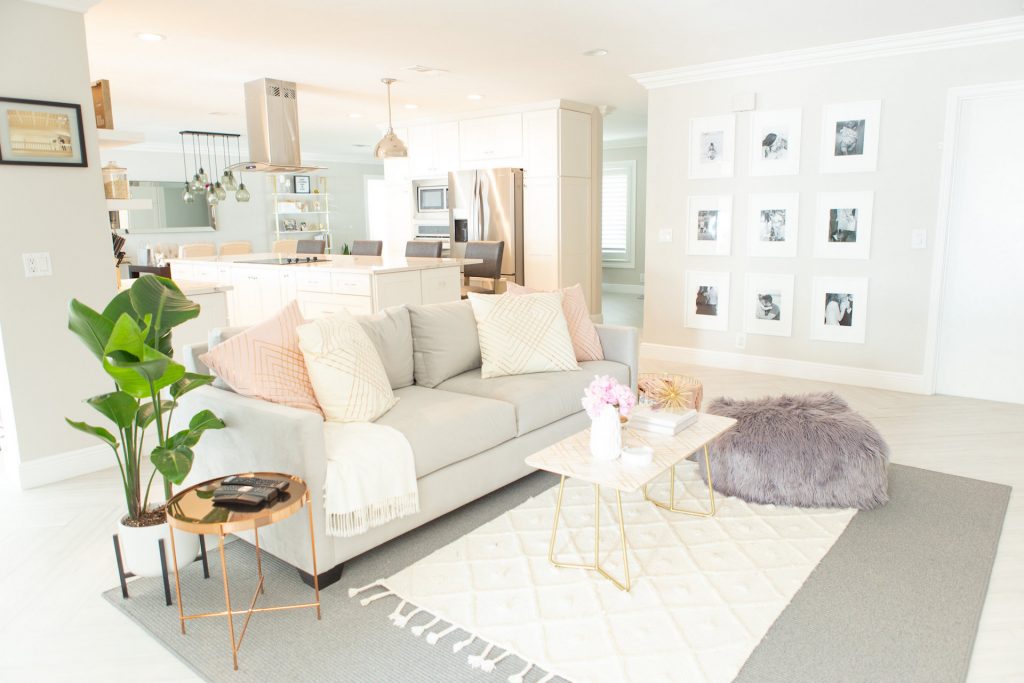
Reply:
x=302, y=184
x=768, y=304
x=775, y=142
x=773, y=222
x=839, y=309
x=712, y=146
x=40, y=133
x=842, y=226
x=707, y=300
x=709, y=225
x=849, y=137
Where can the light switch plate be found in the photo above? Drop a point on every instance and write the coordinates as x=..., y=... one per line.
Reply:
x=37, y=265
x=665, y=235
x=918, y=239
x=741, y=340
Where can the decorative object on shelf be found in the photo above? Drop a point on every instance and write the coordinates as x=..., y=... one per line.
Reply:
x=390, y=146
x=674, y=393
x=768, y=304
x=301, y=184
x=606, y=401
x=839, y=309
x=41, y=133
x=136, y=354
x=115, y=181
x=101, y=104
x=707, y=300
x=709, y=225
x=772, y=225
x=842, y=225
x=775, y=142
x=849, y=137
x=712, y=146
x=218, y=157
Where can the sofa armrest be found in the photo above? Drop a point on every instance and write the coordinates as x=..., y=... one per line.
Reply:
x=190, y=358
x=622, y=344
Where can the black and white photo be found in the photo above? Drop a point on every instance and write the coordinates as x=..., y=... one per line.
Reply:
x=712, y=146
x=839, y=309
x=707, y=300
x=843, y=225
x=775, y=142
x=773, y=223
x=849, y=137
x=772, y=227
x=768, y=304
x=709, y=225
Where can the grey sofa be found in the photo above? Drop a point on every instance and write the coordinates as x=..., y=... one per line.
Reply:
x=469, y=435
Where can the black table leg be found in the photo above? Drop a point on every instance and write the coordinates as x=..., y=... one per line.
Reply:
x=120, y=568
x=163, y=570
x=202, y=551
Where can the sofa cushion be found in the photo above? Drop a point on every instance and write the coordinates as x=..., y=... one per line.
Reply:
x=585, y=342
x=444, y=427
x=539, y=398
x=390, y=331
x=522, y=334
x=444, y=341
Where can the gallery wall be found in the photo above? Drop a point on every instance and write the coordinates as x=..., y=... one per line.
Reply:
x=636, y=151
x=912, y=89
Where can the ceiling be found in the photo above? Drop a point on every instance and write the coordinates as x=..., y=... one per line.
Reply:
x=511, y=53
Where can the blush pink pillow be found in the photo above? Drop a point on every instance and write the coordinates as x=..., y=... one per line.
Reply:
x=266, y=362
x=585, y=342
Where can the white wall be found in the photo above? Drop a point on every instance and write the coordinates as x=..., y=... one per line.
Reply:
x=55, y=210
x=912, y=89
x=635, y=150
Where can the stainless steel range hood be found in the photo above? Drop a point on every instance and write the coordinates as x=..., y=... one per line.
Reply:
x=272, y=122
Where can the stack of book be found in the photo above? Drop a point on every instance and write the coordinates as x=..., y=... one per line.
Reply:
x=661, y=421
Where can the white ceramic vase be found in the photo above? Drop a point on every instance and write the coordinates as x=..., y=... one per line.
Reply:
x=140, y=548
x=606, y=434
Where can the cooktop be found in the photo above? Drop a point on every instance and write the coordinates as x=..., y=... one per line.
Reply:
x=287, y=260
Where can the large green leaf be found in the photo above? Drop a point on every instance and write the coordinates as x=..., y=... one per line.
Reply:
x=173, y=463
x=117, y=406
x=120, y=305
x=147, y=414
x=98, y=432
x=91, y=327
x=200, y=422
x=189, y=382
x=162, y=298
x=133, y=364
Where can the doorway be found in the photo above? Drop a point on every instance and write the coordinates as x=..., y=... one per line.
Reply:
x=979, y=327
x=376, y=207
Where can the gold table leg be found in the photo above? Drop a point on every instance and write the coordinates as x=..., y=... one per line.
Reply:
x=671, y=504
x=596, y=565
x=177, y=580
x=227, y=601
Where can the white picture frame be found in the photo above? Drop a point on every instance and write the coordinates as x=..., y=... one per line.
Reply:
x=836, y=320
x=775, y=142
x=773, y=225
x=712, y=146
x=849, y=137
x=842, y=225
x=768, y=304
x=707, y=300
x=709, y=225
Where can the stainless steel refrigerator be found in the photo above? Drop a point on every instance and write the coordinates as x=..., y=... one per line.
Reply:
x=487, y=204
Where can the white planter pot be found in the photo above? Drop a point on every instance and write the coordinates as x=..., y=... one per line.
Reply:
x=606, y=434
x=140, y=548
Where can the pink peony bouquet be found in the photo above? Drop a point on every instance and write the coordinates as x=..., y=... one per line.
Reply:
x=606, y=391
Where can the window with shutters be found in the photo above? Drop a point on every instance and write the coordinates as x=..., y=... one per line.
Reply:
x=618, y=213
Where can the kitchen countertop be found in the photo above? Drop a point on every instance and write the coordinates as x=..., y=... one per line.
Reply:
x=338, y=263
x=189, y=288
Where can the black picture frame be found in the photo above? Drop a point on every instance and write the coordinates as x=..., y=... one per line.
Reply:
x=302, y=184
x=74, y=110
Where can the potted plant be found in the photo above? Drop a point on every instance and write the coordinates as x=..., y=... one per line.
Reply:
x=131, y=339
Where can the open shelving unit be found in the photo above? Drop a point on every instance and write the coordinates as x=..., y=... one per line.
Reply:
x=300, y=215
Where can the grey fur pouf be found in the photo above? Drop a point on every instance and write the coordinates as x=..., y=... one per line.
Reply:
x=810, y=450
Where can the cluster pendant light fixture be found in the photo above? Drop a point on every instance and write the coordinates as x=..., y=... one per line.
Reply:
x=390, y=146
x=212, y=150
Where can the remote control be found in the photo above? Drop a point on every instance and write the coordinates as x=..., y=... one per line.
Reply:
x=278, y=484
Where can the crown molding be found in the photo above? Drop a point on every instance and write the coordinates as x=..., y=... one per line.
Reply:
x=171, y=148
x=966, y=35
x=80, y=6
x=625, y=143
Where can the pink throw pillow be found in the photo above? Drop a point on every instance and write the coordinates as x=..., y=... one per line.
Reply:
x=266, y=362
x=585, y=342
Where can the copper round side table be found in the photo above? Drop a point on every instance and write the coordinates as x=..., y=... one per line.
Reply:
x=192, y=510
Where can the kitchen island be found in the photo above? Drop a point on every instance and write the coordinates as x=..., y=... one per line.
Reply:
x=261, y=284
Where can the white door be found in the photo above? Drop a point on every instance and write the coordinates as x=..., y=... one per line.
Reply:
x=981, y=324
x=376, y=208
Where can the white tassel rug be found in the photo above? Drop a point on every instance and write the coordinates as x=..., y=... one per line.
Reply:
x=705, y=590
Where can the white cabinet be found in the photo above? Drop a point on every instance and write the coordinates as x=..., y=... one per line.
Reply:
x=394, y=289
x=491, y=138
x=440, y=285
x=557, y=142
x=433, y=150
x=257, y=294
x=540, y=232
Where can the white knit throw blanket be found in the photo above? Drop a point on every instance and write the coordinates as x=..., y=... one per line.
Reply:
x=371, y=477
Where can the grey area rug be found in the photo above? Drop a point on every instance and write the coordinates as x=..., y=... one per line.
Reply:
x=898, y=598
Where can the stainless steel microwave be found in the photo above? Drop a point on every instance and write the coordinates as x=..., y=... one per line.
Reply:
x=431, y=198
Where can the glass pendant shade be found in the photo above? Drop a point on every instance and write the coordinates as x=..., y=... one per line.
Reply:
x=243, y=193
x=221, y=193
x=203, y=178
x=211, y=198
x=228, y=180
x=186, y=195
x=196, y=185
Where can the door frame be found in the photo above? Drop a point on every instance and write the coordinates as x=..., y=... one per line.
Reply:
x=367, y=177
x=956, y=99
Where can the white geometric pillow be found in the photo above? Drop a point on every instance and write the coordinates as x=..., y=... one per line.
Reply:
x=348, y=376
x=522, y=334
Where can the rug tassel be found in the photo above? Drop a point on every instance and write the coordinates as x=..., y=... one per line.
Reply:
x=353, y=592
x=418, y=630
x=462, y=643
x=489, y=664
x=394, y=616
x=402, y=621
x=366, y=601
x=432, y=638
x=519, y=677
x=476, y=661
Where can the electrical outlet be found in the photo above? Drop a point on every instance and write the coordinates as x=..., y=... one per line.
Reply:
x=741, y=340
x=918, y=239
x=665, y=235
x=37, y=265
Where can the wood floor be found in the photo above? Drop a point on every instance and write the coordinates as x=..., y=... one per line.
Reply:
x=57, y=549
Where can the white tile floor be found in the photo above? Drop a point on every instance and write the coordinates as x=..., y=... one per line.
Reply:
x=622, y=309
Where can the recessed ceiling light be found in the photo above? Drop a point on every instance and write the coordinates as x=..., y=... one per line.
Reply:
x=474, y=97
x=221, y=113
x=150, y=37
x=428, y=70
x=412, y=106
x=359, y=144
x=355, y=115
x=596, y=52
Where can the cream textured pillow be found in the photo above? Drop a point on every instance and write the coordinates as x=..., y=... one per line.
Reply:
x=347, y=374
x=522, y=334
x=265, y=361
x=585, y=342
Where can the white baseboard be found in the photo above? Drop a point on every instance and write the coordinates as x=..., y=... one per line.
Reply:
x=615, y=288
x=824, y=372
x=53, y=468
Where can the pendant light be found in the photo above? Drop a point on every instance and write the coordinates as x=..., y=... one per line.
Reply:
x=390, y=146
x=186, y=194
x=242, y=195
x=197, y=186
x=228, y=179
